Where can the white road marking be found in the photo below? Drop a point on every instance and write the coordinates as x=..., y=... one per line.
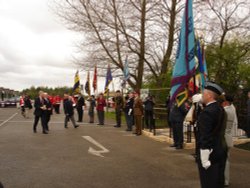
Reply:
x=8, y=119
x=93, y=151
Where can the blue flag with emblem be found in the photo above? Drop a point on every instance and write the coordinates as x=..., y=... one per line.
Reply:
x=108, y=79
x=184, y=67
x=202, y=65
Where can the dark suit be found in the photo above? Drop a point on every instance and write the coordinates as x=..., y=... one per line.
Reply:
x=39, y=113
x=69, y=112
x=79, y=107
x=47, y=113
x=210, y=135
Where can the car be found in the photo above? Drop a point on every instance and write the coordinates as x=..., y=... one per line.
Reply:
x=11, y=102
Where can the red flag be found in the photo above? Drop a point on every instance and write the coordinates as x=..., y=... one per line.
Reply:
x=95, y=79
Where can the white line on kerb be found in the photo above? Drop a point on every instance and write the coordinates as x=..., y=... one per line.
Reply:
x=8, y=119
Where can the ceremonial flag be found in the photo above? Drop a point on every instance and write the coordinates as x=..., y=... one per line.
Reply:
x=108, y=79
x=202, y=68
x=87, y=85
x=95, y=79
x=76, y=87
x=126, y=70
x=184, y=67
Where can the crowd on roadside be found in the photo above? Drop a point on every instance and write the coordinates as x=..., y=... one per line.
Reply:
x=214, y=112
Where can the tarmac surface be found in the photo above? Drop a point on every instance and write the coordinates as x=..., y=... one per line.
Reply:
x=118, y=159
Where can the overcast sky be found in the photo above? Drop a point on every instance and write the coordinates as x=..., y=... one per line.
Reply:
x=35, y=48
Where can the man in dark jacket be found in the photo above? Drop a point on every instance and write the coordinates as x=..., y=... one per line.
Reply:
x=48, y=111
x=39, y=112
x=129, y=111
x=149, y=112
x=69, y=111
x=118, y=108
x=211, y=145
x=176, y=117
x=79, y=107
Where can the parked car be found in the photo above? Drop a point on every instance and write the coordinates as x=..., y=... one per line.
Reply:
x=11, y=102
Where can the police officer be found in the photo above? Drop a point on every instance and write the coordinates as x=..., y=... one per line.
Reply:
x=118, y=108
x=211, y=146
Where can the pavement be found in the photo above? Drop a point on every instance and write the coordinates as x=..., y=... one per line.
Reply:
x=91, y=156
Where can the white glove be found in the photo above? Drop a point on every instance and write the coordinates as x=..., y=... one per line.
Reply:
x=130, y=111
x=205, y=153
x=197, y=98
x=186, y=123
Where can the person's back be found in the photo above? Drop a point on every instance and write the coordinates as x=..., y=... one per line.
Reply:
x=68, y=107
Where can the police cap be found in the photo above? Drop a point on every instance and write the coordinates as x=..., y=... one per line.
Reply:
x=214, y=87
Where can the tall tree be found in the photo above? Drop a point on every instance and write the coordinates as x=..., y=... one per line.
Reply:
x=113, y=29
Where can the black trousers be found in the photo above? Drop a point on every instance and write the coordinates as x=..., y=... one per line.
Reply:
x=149, y=119
x=47, y=119
x=178, y=133
x=80, y=114
x=213, y=177
x=118, y=113
x=43, y=122
x=57, y=108
x=100, y=115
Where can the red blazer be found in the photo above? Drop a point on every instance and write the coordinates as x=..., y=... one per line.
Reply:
x=101, y=103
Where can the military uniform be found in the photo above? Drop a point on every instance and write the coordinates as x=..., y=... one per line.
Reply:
x=211, y=145
x=138, y=113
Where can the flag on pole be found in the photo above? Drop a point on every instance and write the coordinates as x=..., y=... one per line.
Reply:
x=184, y=67
x=126, y=69
x=202, y=68
x=87, y=85
x=95, y=79
x=76, y=87
x=108, y=79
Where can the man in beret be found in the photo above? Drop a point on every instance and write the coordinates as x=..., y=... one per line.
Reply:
x=211, y=145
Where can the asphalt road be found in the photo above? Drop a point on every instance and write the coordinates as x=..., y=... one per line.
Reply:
x=61, y=158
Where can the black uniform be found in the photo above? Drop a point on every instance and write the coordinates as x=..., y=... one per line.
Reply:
x=176, y=117
x=79, y=108
x=129, y=113
x=39, y=113
x=210, y=135
x=118, y=110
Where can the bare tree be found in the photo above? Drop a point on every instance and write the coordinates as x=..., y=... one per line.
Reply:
x=113, y=29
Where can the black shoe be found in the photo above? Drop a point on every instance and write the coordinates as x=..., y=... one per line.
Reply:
x=128, y=129
x=76, y=126
x=179, y=147
x=117, y=126
x=45, y=132
x=65, y=127
x=173, y=146
x=34, y=130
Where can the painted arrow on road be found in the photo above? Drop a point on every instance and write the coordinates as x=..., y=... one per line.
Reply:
x=93, y=151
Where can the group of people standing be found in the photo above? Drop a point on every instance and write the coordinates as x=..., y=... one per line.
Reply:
x=134, y=109
x=215, y=117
